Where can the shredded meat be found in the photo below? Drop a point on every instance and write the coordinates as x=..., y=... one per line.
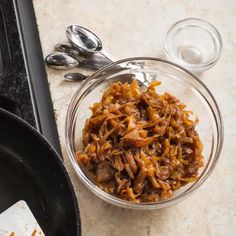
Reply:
x=141, y=146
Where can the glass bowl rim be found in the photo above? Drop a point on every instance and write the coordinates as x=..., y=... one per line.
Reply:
x=200, y=66
x=118, y=201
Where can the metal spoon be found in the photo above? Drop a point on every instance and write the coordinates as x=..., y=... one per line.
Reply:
x=68, y=48
x=84, y=40
x=85, y=50
x=75, y=77
x=61, y=60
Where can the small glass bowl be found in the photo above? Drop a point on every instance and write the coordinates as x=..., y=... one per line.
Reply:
x=175, y=80
x=194, y=44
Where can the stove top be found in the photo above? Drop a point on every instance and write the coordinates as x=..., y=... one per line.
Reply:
x=24, y=88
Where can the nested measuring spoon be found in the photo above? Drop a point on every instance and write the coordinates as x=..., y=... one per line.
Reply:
x=85, y=47
x=61, y=61
x=84, y=50
x=65, y=59
x=75, y=77
x=84, y=40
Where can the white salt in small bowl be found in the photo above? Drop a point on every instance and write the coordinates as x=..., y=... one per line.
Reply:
x=194, y=44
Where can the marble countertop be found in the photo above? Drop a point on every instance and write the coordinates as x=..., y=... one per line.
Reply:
x=136, y=28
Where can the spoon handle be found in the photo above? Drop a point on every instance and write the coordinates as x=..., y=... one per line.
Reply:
x=94, y=60
x=107, y=55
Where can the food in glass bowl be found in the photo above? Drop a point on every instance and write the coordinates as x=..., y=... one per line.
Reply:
x=139, y=145
x=175, y=80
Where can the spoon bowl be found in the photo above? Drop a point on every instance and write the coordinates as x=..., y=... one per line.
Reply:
x=83, y=39
x=61, y=61
x=67, y=48
x=75, y=77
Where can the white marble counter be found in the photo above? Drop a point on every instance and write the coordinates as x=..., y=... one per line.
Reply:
x=135, y=28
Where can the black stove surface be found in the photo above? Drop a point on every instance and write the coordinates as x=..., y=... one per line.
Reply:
x=14, y=84
x=23, y=83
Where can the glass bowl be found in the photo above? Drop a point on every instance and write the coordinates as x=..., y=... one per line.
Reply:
x=194, y=44
x=175, y=80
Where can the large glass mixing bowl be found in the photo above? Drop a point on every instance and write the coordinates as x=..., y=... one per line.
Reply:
x=175, y=80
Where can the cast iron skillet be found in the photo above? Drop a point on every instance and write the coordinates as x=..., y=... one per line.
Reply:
x=31, y=170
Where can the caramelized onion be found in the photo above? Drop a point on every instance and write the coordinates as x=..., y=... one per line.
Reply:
x=141, y=146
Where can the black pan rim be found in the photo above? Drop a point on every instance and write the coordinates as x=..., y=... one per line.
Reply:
x=58, y=159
